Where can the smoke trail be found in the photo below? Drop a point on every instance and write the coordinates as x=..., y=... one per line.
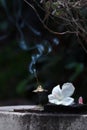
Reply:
x=55, y=41
x=39, y=50
x=42, y=50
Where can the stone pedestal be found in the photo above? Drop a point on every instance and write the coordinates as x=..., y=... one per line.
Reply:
x=33, y=118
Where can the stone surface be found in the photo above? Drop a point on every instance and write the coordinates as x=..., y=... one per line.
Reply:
x=22, y=118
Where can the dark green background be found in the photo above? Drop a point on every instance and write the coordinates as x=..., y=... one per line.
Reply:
x=66, y=63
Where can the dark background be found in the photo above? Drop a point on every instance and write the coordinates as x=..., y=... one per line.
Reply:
x=20, y=32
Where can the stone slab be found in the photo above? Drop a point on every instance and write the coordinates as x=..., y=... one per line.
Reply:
x=24, y=108
x=39, y=120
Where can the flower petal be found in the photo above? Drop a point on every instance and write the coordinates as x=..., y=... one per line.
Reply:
x=51, y=97
x=53, y=100
x=67, y=89
x=67, y=101
x=57, y=92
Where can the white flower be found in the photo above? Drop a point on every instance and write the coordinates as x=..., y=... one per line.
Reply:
x=62, y=96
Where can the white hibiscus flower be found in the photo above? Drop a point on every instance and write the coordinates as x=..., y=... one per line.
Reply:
x=62, y=96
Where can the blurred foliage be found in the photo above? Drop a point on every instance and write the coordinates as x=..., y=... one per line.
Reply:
x=20, y=32
x=13, y=69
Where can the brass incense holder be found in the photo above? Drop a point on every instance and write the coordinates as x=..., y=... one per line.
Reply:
x=41, y=94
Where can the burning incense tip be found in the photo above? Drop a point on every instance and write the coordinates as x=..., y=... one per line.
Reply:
x=39, y=89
